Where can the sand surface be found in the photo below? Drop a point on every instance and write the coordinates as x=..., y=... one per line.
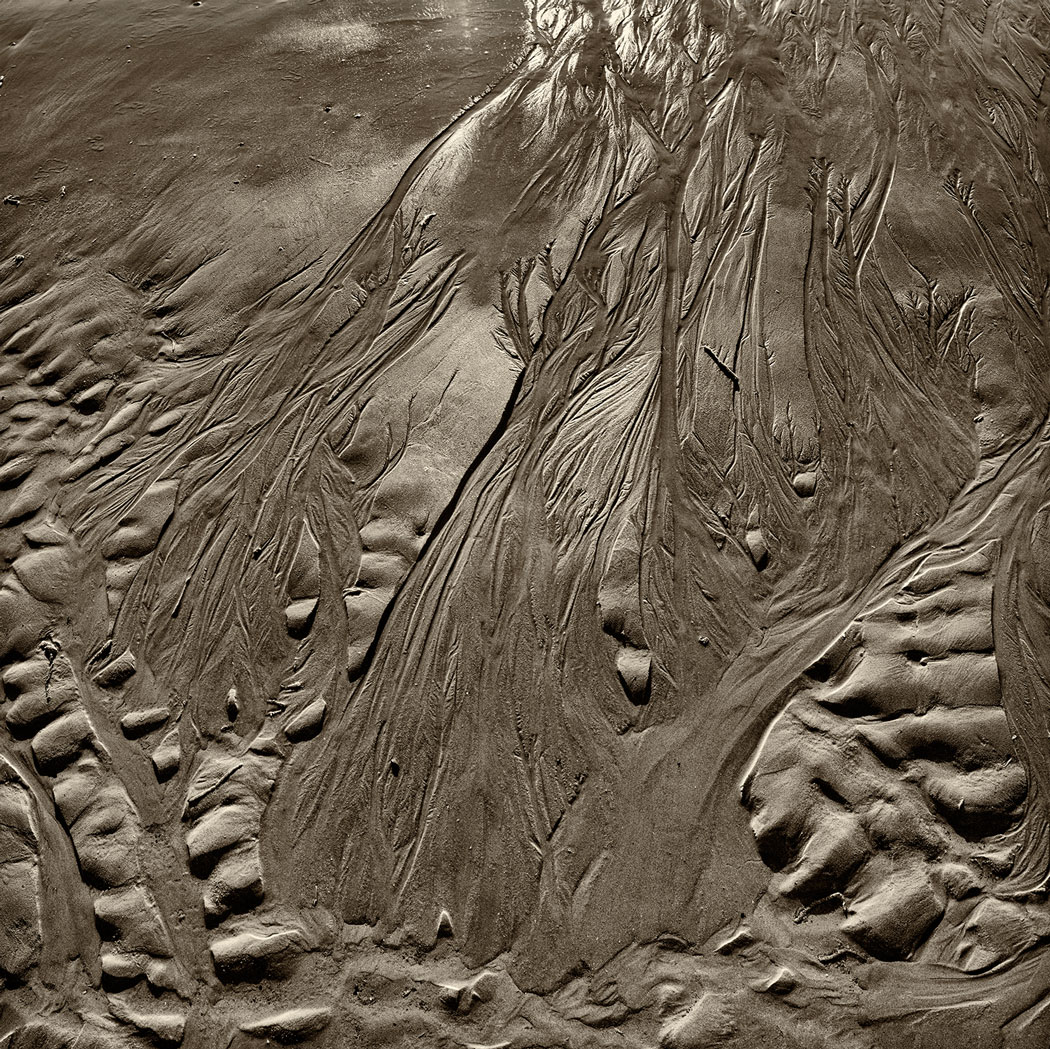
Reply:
x=524, y=524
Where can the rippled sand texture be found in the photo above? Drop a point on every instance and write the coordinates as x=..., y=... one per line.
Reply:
x=525, y=525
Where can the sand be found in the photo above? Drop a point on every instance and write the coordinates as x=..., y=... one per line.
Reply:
x=523, y=525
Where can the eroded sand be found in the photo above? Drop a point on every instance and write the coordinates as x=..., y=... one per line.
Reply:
x=524, y=527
